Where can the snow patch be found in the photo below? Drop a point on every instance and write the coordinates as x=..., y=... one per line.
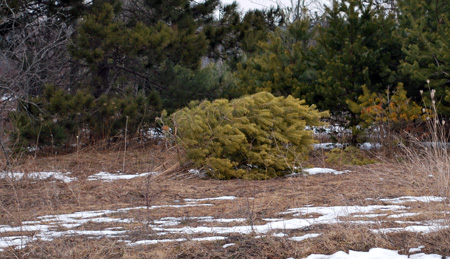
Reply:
x=369, y=215
x=48, y=227
x=223, y=198
x=156, y=241
x=228, y=245
x=317, y=170
x=38, y=176
x=328, y=146
x=314, y=171
x=416, y=250
x=304, y=237
x=374, y=253
x=370, y=146
x=108, y=177
x=14, y=241
x=416, y=229
x=404, y=199
x=404, y=215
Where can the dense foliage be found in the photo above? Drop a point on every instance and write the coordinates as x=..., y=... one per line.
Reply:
x=254, y=137
x=389, y=114
x=57, y=118
x=164, y=54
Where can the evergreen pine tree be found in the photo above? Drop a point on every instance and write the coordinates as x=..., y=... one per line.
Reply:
x=425, y=30
x=253, y=137
x=283, y=65
x=357, y=48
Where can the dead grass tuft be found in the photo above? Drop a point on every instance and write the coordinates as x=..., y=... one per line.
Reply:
x=437, y=242
x=343, y=237
x=243, y=247
x=70, y=248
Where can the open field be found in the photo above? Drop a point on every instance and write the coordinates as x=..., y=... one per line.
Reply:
x=84, y=207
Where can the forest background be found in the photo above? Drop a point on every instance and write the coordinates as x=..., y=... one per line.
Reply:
x=76, y=71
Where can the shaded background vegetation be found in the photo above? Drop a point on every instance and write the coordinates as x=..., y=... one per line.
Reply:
x=74, y=70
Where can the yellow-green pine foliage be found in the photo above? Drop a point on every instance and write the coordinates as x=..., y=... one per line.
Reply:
x=394, y=109
x=254, y=137
x=282, y=64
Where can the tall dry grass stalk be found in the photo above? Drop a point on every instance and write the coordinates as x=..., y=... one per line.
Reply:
x=427, y=160
x=125, y=146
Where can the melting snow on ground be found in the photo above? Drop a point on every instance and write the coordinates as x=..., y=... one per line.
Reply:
x=363, y=146
x=413, y=199
x=313, y=171
x=49, y=227
x=65, y=177
x=316, y=170
x=374, y=253
x=108, y=177
x=38, y=176
x=105, y=176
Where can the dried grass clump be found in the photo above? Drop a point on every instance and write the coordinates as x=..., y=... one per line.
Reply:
x=438, y=242
x=344, y=238
x=244, y=247
x=70, y=248
x=428, y=162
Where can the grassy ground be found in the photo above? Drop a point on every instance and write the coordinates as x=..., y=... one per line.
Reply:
x=26, y=200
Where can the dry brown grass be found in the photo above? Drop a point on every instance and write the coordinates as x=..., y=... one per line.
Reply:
x=70, y=248
x=27, y=199
x=343, y=237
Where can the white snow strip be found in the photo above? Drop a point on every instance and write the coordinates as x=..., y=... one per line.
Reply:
x=272, y=220
x=210, y=199
x=194, y=171
x=328, y=146
x=152, y=242
x=417, y=229
x=304, y=237
x=328, y=129
x=155, y=133
x=370, y=146
x=179, y=206
x=369, y=215
x=341, y=211
x=425, y=256
x=223, y=220
x=363, y=222
x=25, y=228
x=374, y=253
x=202, y=239
x=416, y=250
x=280, y=234
x=110, y=233
x=108, y=177
x=330, y=215
x=48, y=227
x=16, y=241
x=404, y=199
x=38, y=176
x=173, y=221
x=228, y=245
x=403, y=215
x=314, y=171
